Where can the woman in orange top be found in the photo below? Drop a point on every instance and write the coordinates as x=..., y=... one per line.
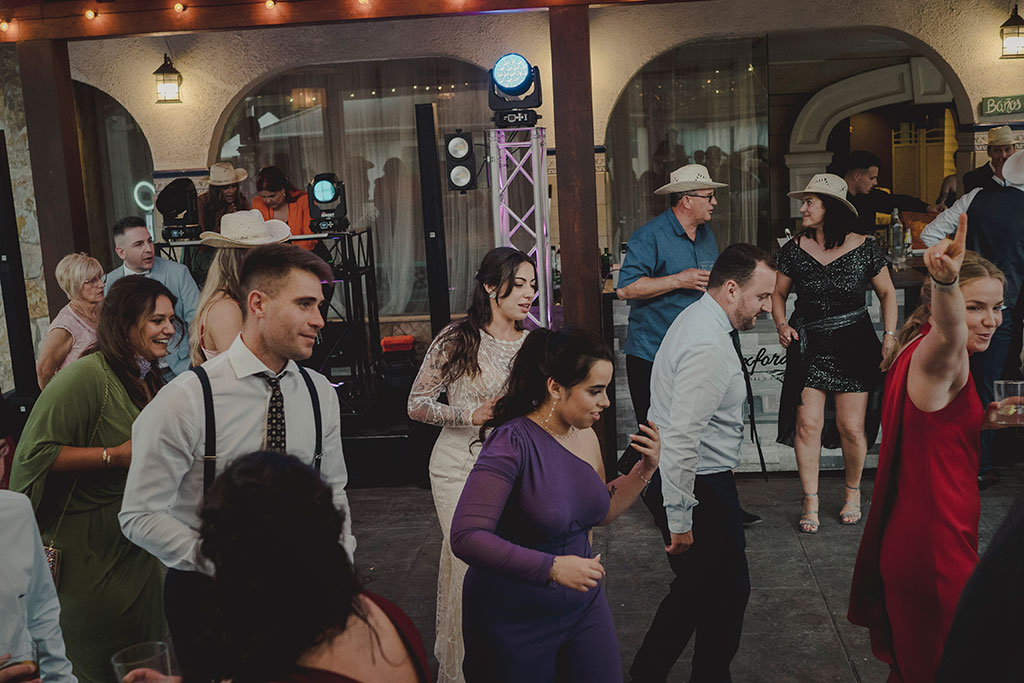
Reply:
x=278, y=198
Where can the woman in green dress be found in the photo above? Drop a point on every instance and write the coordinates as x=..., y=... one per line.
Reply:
x=72, y=461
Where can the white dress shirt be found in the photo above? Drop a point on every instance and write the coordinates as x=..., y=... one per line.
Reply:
x=28, y=601
x=697, y=397
x=164, y=491
x=946, y=222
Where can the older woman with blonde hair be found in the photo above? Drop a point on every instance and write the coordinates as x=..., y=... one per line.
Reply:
x=73, y=329
x=219, y=312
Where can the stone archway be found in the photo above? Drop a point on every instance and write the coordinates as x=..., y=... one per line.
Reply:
x=917, y=81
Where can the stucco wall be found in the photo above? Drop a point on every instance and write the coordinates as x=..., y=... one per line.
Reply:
x=12, y=122
x=220, y=67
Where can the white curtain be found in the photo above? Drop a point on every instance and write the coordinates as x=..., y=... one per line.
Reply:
x=358, y=120
x=703, y=102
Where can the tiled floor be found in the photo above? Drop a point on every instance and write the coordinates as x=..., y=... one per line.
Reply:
x=795, y=628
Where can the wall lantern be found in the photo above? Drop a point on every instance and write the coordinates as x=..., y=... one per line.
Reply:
x=168, y=82
x=1012, y=34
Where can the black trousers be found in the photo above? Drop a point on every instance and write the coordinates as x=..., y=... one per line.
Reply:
x=708, y=594
x=638, y=376
x=188, y=600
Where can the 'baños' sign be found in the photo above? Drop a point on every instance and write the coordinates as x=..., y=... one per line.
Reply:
x=1001, y=106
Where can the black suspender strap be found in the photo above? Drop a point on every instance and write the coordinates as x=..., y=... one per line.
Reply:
x=314, y=398
x=210, y=451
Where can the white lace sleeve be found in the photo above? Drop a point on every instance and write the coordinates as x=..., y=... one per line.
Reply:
x=423, y=405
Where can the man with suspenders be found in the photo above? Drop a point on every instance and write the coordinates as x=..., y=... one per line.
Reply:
x=251, y=397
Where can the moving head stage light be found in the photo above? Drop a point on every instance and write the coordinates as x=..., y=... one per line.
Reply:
x=177, y=204
x=510, y=96
x=328, y=211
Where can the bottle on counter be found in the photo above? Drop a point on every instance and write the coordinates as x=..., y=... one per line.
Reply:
x=606, y=264
x=556, y=275
x=897, y=240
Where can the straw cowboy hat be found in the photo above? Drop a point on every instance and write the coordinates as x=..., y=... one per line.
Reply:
x=1013, y=168
x=243, y=229
x=688, y=178
x=999, y=136
x=223, y=173
x=829, y=185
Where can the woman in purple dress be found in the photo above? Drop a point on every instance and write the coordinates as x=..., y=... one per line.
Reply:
x=533, y=605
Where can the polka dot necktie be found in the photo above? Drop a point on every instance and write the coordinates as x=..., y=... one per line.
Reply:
x=275, y=414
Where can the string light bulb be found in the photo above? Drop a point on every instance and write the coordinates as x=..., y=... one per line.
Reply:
x=4, y=25
x=269, y=4
x=90, y=14
x=179, y=7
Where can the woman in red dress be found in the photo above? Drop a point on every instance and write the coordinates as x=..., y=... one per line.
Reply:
x=920, y=542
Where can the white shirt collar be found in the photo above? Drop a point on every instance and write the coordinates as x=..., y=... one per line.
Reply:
x=716, y=311
x=245, y=363
x=129, y=271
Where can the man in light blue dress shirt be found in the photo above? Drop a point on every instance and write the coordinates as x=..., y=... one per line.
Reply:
x=134, y=245
x=697, y=395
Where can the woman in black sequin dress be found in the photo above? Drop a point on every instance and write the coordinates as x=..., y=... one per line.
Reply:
x=832, y=349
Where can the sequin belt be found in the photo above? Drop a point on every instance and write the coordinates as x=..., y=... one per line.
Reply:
x=828, y=325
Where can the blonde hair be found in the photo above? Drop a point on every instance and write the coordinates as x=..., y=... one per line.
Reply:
x=974, y=268
x=73, y=270
x=222, y=281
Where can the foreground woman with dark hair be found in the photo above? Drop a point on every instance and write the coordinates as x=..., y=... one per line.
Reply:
x=533, y=605
x=287, y=605
x=72, y=462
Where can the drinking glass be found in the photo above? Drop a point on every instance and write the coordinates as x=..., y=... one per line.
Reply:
x=1009, y=394
x=706, y=265
x=152, y=655
x=22, y=651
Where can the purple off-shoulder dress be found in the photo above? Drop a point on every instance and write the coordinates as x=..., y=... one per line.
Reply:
x=527, y=500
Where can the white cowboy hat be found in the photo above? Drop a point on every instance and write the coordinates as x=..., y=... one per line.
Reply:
x=223, y=173
x=243, y=229
x=1000, y=135
x=826, y=184
x=688, y=178
x=1013, y=168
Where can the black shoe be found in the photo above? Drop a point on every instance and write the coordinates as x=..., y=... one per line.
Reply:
x=749, y=518
x=990, y=478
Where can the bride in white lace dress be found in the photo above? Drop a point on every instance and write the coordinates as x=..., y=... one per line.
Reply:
x=469, y=360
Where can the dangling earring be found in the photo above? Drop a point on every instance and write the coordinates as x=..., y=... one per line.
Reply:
x=494, y=294
x=547, y=420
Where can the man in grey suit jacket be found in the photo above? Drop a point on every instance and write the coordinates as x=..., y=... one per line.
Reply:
x=134, y=246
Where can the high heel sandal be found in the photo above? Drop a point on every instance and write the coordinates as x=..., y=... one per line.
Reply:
x=852, y=517
x=806, y=524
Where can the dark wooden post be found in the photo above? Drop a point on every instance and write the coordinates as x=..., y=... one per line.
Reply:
x=577, y=186
x=53, y=151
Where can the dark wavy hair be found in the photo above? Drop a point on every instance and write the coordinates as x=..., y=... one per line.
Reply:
x=462, y=339
x=565, y=355
x=283, y=583
x=839, y=221
x=125, y=308
x=273, y=179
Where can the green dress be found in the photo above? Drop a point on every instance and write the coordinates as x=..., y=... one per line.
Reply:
x=110, y=590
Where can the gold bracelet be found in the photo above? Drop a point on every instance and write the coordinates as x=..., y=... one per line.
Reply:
x=646, y=482
x=106, y=458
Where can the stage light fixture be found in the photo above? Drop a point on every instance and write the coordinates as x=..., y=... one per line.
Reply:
x=168, y=83
x=328, y=211
x=90, y=14
x=515, y=92
x=460, y=161
x=1011, y=33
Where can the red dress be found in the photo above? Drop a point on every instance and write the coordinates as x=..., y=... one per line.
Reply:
x=920, y=540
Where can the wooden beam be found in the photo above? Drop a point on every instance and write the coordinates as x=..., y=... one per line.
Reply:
x=53, y=152
x=574, y=157
x=65, y=19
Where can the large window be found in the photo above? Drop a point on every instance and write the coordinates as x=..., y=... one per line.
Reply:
x=358, y=120
x=706, y=103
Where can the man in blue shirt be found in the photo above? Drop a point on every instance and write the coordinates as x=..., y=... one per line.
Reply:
x=668, y=260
